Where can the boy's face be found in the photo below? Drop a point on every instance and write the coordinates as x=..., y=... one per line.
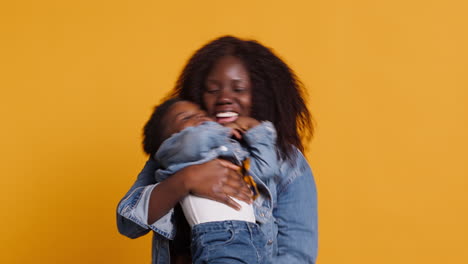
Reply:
x=184, y=114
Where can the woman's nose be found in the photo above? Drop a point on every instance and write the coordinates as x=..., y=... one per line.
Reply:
x=225, y=96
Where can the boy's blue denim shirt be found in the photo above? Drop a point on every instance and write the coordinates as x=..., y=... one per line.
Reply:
x=286, y=210
x=202, y=143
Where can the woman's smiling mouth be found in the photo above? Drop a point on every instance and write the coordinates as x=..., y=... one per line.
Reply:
x=226, y=117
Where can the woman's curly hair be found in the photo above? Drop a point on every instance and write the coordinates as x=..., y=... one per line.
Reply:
x=277, y=94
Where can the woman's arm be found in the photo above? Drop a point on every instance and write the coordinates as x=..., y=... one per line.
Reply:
x=296, y=214
x=217, y=180
x=129, y=225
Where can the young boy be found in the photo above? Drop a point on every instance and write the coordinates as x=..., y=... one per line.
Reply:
x=179, y=134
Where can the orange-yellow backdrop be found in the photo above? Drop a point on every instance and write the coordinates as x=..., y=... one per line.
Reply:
x=388, y=87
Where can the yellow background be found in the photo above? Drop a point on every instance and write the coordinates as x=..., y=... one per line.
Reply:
x=388, y=88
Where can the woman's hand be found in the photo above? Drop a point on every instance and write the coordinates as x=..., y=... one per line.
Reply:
x=241, y=125
x=218, y=180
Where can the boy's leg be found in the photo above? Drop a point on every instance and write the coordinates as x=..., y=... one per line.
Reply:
x=227, y=242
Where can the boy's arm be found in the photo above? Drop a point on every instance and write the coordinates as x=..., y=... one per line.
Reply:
x=192, y=145
x=261, y=142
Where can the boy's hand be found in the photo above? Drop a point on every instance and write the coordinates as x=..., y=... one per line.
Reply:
x=241, y=125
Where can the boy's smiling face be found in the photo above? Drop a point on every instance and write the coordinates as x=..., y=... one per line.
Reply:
x=184, y=114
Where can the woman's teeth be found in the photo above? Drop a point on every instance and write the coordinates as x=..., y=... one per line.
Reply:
x=226, y=114
x=226, y=117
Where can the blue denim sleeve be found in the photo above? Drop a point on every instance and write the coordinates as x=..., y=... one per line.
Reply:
x=132, y=205
x=263, y=134
x=261, y=142
x=192, y=144
x=296, y=214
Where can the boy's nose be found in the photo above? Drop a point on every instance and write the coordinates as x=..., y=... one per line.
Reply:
x=203, y=117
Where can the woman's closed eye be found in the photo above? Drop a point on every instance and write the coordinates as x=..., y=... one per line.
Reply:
x=240, y=89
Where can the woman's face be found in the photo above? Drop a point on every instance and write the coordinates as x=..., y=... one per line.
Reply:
x=228, y=90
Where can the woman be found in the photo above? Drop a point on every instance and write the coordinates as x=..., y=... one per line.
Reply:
x=229, y=78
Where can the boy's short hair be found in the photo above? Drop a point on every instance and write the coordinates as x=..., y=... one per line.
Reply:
x=154, y=131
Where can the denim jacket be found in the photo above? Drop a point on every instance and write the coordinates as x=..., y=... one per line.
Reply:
x=286, y=210
x=210, y=140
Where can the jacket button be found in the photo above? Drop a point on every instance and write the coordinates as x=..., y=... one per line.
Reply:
x=223, y=148
x=270, y=242
x=262, y=214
